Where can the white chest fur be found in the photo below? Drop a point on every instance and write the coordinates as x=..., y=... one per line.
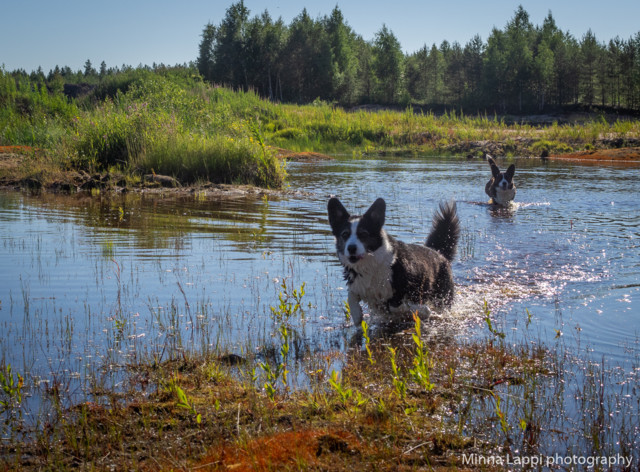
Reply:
x=372, y=282
x=504, y=196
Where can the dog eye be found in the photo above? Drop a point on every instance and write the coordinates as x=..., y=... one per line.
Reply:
x=345, y=234
x=363, y=233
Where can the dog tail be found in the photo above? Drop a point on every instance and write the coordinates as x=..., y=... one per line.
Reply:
x=445, y=231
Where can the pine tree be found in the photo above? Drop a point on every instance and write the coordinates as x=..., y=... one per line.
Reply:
x=388, y=64
x=88, y=69
x=343, y=61
x=229, y=61
x=206, y=52
x=590, y=56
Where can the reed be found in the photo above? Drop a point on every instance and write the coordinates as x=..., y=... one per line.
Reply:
x=408, y=400
x=172, y=122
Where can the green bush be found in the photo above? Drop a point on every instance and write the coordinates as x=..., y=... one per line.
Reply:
x=110, y=136
x=221, y=159
x=30, y=114
x=288, y=133
x=551, y=147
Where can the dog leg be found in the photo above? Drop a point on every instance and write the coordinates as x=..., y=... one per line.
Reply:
x=356, y=309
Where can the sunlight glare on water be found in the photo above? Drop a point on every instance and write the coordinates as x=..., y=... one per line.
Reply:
x=95, y=282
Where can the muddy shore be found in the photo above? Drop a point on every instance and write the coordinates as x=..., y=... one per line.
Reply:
x=17, y=172
x=621, y=155
x=24, y=168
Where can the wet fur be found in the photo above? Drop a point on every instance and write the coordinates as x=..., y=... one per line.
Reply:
x=393, y=277
x=500, y=187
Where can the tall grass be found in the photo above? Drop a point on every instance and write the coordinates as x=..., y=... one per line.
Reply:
x=171, y=122
x=30, y=114
x=160, y=126
x=219, y=159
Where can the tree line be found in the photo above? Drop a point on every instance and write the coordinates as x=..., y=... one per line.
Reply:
x=520, y=68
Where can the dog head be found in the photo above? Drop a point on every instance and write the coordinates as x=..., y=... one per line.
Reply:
x=356, y=236
x=500, y=187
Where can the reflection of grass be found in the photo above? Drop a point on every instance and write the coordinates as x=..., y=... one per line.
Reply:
x=108, y=250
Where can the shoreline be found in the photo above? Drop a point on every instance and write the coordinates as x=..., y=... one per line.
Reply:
x=14, y=176
x=630, y=155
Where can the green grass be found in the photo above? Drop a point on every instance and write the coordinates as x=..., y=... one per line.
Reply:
x=163, y=128
x=170, y=122
x=214, y=159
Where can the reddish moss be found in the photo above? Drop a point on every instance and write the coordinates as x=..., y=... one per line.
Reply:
x=290, y=449
x=620, y=155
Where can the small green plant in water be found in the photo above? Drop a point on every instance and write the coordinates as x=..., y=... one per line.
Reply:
x=336, y=384
x=284, y=352
x=504, y=426
x=367, y=341
x=272, y=377
x=487, y=319
x=347, y=311
x=11, y=389
x=399, y=384
x=280, y=371
x=421, y=362
x=290, y=303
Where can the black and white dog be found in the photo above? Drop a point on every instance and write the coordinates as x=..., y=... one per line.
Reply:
x=392, y=277
x=500, y=187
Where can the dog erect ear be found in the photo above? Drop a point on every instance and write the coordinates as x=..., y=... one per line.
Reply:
x=338, y=214
x=376, y=213
x=510, y=171
x=495, y=171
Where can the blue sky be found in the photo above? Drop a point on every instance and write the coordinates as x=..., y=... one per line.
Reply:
x=68, y=32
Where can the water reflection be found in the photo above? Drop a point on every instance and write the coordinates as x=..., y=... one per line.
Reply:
x=104, y=279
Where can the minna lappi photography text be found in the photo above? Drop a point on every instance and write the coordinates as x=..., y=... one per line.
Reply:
x=556, y=460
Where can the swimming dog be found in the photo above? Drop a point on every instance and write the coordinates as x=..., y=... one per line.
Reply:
x=500, y=187
x=392, y=277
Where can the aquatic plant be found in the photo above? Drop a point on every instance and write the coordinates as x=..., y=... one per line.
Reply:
x=290, y=306
x=11, y=389
x=336, y=384
x=487, y=319
x=367, y=341
x=398, y=383
x=421, y=362
x=280, y=370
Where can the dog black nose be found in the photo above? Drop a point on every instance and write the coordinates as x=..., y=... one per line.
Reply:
x=352, y=248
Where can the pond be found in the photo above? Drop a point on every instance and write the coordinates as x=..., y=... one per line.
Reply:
x=90, y=284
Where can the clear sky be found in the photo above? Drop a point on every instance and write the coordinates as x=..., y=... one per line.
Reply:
x=68, y=32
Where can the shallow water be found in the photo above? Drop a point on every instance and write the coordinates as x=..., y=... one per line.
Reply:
x=89, y=284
